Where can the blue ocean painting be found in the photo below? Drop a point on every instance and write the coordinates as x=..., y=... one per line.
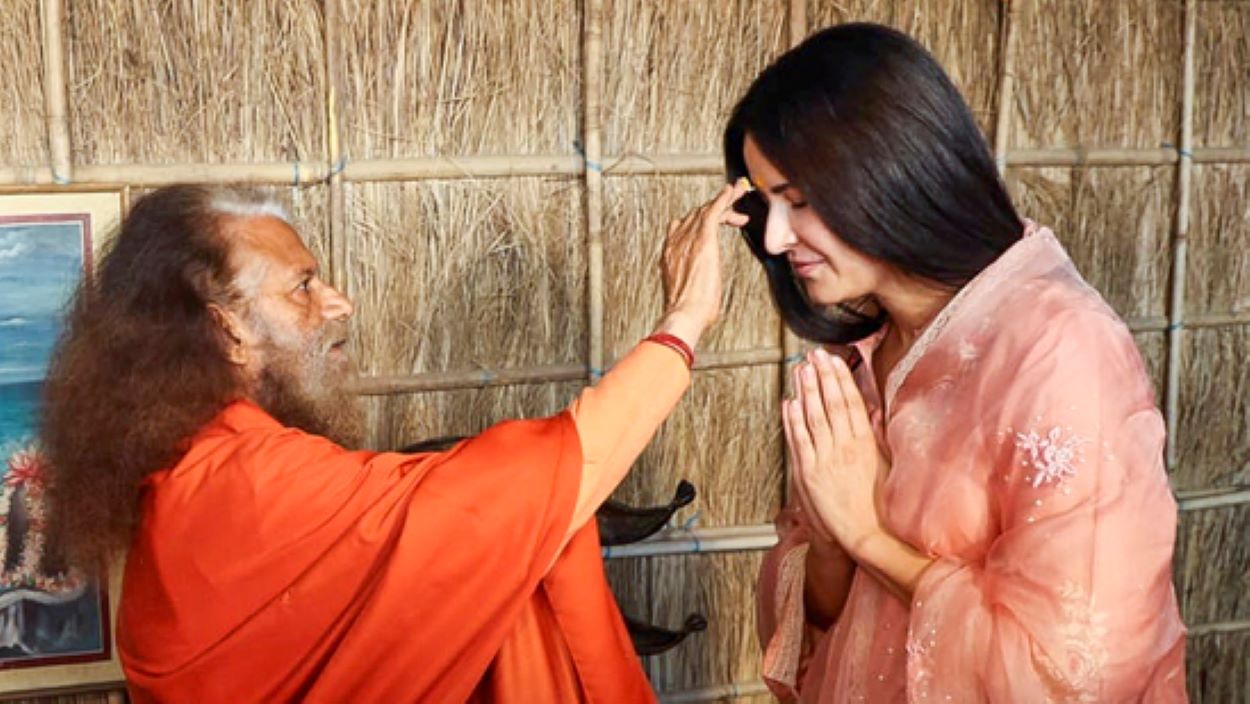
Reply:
x=47, y=615
x=40, y=263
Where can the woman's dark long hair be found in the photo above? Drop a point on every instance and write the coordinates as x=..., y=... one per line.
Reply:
x=139, y=367
x=868, y=127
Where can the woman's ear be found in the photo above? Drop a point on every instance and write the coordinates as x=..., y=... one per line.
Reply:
x=231, y=334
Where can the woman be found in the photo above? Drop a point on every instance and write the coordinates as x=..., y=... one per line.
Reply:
x=978, y=507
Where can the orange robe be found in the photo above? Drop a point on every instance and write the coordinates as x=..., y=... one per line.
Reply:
x=273, y=565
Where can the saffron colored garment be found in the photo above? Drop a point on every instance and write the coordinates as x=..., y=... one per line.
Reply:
x=271, y=565
x=1026, y=458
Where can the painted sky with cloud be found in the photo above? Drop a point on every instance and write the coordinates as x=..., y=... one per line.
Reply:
x=40, y=263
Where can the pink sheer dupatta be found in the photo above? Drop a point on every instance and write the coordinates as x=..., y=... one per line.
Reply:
x=1027, y=461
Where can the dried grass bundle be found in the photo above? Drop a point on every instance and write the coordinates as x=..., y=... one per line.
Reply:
x=1218, y=280
x=1098, y=73
x=1217, y=667
x=1115, y=222
x=664, y=590
x=673, y=70
x=456, y=275
x=154, y=81
x=1222, y=88
x=1210, y=549
x=456, y=77
x=963, y=36
x=24, y=141
x=1214, y=432
x=724, y=437
x=396, y=421
x=637, y=212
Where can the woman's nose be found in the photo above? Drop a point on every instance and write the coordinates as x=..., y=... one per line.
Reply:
x=779, y=237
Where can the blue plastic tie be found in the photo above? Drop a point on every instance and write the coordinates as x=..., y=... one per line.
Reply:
x=688, y=529
x=1185, y=153
x=592, y=165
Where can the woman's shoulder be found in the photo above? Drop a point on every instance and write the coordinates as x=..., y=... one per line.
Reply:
x=1063, y=335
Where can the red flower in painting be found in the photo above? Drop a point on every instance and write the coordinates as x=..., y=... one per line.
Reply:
x=26, y=467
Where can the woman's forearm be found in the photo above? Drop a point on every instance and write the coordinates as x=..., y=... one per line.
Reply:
x=897, y=565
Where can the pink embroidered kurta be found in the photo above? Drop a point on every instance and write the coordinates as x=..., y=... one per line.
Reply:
x=1026, y=459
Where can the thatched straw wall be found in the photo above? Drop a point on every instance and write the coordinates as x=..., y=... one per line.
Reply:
x=23, y=108
x=200, y=89
x=500, y=238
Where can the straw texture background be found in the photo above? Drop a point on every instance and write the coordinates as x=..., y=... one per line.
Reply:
x=454, y=275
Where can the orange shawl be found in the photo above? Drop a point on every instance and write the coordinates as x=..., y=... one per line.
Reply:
x=272, y=565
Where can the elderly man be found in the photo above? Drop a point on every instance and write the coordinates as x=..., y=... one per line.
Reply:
x=197, y=411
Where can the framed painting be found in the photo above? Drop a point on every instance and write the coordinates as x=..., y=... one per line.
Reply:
x=56, y=624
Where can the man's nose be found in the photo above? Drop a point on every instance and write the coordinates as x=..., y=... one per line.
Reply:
x=335, y=305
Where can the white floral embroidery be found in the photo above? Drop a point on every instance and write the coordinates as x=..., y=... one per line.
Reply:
x=1052, y=457
x=968, y=351
x=1084, y=631
x=920, y=668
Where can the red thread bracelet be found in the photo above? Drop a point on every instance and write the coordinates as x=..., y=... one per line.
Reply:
x=674, y=343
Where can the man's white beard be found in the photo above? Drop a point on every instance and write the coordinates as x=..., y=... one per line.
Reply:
x=304, y=385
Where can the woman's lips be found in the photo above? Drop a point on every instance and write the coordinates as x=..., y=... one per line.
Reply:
x=804, y=267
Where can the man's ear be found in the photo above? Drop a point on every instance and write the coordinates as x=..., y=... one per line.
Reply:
x=232, y=334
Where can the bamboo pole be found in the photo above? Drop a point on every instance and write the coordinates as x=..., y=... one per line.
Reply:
x=1159, y=323
x=593, y=180
x=1220, y=627
x=1221, y=155
x=446, y=381
x=687, y=541
x=735, y=690
x=489, y=167
x=54, y=93
x=796, y=22
x=1217, y=320
x=1006, y=87
x=791, y=345
x=165, y=174
x=1180, y=242
x=448, y=167
x=1090, y=156
x=1213, y=498
x=334, y=157
x=481, y=378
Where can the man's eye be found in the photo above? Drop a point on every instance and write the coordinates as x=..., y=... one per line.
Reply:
x=798, y=205
x=304, y=285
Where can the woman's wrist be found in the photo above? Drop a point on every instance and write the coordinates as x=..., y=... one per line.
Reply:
x=892, y=558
